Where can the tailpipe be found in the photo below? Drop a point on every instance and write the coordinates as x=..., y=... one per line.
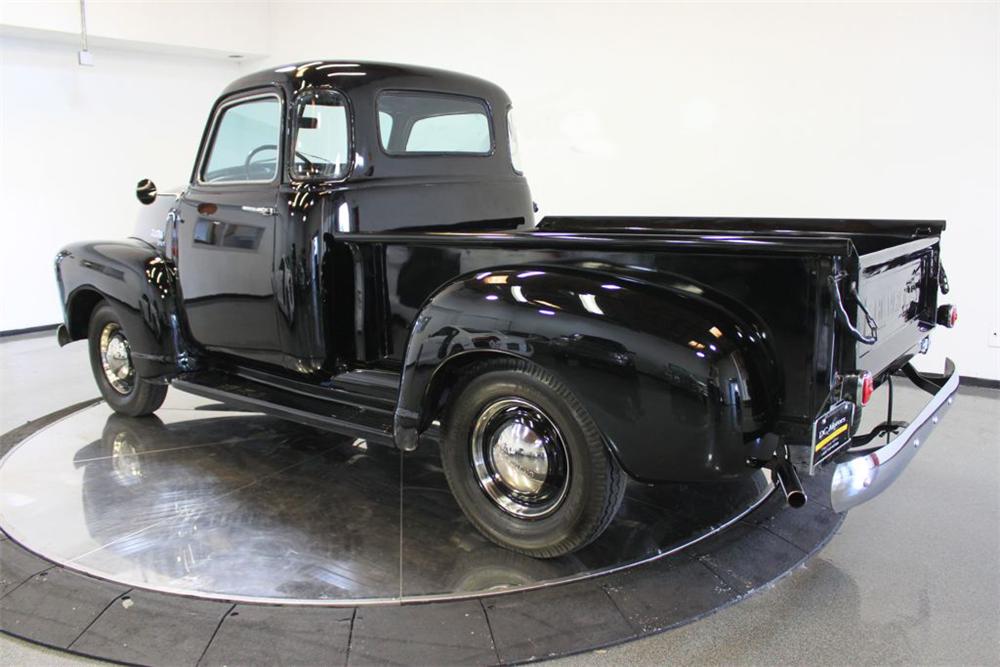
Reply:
x=788, y=481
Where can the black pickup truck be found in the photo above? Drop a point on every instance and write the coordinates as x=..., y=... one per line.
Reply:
x=356, y=250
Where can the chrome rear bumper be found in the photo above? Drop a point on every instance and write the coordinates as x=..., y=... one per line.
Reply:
x=860, y=479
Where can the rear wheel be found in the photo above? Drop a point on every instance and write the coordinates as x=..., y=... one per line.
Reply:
x=111, y=362
x=525, y=461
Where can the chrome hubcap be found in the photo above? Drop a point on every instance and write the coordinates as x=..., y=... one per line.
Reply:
x=116, y=359
x=519, y=458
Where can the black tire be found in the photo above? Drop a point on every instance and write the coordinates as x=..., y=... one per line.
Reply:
x=591, y=486
x=134, y=396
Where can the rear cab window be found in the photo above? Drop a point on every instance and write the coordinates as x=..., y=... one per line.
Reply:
x=425, y=123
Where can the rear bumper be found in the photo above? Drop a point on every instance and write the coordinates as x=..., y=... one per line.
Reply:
x=860, y=479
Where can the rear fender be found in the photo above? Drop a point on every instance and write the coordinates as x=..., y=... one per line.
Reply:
x=682, y=387
x=142, y=289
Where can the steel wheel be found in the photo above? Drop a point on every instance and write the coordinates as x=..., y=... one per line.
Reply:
x=519, y=458
x=119, y=378
x=116, y=359
x=525, y=461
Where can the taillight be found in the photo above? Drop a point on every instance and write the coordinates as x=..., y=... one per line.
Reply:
x=867, y=385
x=947, y=315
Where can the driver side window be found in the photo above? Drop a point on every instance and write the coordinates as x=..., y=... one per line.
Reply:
x=245, y=143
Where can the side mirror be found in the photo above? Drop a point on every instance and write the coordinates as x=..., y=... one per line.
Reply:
x=308, y=123
x=145, y=191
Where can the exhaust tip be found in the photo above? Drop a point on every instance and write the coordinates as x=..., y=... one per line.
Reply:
x=788, y=481
x=796, y=499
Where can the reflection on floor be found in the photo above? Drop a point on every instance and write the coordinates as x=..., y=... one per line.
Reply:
x=206, y=500
x=908, y=579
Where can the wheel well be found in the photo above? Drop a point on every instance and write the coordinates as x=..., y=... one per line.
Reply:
x=440, y=385
x=80, y=308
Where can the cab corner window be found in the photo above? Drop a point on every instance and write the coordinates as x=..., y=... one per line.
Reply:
x=384, y=128
x=515, y=145
x=322, y=147
x=245, y=143
x=415, y=123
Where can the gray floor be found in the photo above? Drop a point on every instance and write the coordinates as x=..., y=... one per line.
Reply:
x=911, y=578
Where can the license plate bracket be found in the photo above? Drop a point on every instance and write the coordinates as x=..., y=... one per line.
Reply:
x=831, y=433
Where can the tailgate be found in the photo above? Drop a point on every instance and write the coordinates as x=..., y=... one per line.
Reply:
x=898, y=287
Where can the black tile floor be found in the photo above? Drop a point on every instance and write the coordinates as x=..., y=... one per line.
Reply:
x=62, y=609
x=274, y=469
x=206, y=501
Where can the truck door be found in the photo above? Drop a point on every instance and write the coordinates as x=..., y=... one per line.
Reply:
x=226, y=232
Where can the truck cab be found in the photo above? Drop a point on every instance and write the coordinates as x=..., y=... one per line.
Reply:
x=296, y=161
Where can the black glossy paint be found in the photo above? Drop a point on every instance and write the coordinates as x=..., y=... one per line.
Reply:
x=674, y=400
x=688, y=339
x=226, y=269
x=140, y=285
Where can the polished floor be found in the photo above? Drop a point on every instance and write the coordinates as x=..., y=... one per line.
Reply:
x=910, y=579
x=200, y=499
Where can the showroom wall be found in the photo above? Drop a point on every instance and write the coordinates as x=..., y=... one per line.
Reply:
x=76, y=139
x=74, y=142
x=807, y=109
x=189, y=27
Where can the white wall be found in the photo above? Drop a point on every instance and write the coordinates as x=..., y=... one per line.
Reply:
x=208, y=26
x=826, y=110
x=808, y=109
x=74, y=141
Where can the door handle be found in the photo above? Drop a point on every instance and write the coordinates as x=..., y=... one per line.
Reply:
x=262, y=210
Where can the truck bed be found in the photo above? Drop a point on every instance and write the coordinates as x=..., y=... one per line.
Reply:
x=778, y=268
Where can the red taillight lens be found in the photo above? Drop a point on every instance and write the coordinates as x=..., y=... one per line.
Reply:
x=867, y=387
x=947, y=315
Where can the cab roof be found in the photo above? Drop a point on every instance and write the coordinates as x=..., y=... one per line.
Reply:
x=370, y=77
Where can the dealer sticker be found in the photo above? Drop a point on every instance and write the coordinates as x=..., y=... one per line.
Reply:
x=832, y=431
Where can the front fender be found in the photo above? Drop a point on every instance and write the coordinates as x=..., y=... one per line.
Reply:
x=682, y=382
x=140, y=286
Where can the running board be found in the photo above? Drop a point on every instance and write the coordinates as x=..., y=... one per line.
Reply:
x=359, y=421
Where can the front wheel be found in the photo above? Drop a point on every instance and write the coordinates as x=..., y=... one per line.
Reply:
x=526, y=462
x=111, y=362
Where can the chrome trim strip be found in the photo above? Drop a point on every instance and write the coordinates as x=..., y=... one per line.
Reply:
x=860, y=479
x=261, y=210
